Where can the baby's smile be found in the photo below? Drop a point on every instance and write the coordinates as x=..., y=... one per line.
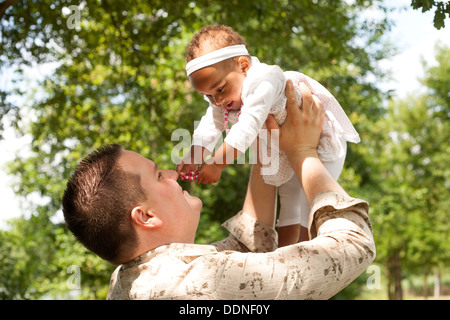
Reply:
x=233, y=105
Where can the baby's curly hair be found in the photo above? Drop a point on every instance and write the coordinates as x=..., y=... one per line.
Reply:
x=212, y=36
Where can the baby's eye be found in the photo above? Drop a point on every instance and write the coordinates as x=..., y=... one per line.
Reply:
x=159, y=175
x=220, y=89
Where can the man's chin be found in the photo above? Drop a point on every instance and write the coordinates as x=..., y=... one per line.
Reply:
x=195, y=202
x=199, y=203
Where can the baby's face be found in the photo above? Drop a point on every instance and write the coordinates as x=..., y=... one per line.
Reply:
x=221, y=83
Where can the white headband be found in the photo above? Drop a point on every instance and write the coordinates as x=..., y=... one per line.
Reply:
x=215, y=57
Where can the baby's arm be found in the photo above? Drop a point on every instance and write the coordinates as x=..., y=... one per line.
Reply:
x=192, y=161
x=211, y=170
x=204, y=139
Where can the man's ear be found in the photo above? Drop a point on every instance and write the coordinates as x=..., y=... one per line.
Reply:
x=244, y=64
x=145, y=218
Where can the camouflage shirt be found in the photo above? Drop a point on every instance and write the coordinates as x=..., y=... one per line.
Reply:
x=248, y=265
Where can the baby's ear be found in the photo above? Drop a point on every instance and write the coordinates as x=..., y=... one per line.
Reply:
x=244, y=64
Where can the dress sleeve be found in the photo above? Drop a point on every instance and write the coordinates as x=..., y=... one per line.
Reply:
x=209, y=129
x=260, y=91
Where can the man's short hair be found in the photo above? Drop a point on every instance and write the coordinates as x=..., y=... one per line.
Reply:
x=97, y=204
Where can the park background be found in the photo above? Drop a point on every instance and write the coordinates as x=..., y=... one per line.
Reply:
x=114, y=73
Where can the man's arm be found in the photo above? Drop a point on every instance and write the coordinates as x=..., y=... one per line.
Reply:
x=299, y=137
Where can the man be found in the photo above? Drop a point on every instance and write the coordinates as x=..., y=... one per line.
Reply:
x=131, y=213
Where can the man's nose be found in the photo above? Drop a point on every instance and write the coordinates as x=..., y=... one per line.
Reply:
x=170, y=174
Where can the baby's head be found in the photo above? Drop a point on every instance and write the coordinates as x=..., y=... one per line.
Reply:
x=221, y=82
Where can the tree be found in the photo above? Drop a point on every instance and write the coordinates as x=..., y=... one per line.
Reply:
x=120, y=78
x=442, y=8
x=410, y=199
x=40, y=260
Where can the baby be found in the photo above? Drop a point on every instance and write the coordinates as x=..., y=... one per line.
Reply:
x=243, y=91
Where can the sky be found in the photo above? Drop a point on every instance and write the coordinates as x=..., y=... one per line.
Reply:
x=415, y=37
x=413, y=34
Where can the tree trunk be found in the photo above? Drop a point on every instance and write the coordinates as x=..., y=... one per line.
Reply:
x=394, y=272
x=437, y=284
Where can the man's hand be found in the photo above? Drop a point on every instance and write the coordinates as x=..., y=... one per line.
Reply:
x=300, y=133
x=299, y=137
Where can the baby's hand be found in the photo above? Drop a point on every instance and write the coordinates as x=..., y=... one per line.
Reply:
x=209, y=173
x=187, y=171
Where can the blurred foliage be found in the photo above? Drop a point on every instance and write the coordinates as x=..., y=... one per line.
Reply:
x=120, y=78
x=410, y=172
